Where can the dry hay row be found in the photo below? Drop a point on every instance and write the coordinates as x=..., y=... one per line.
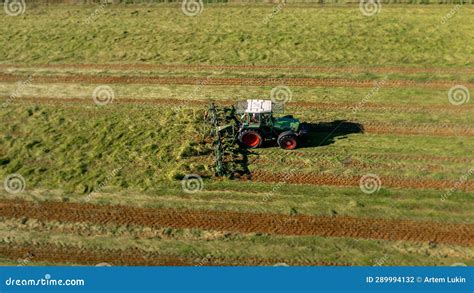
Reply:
x=200, y=67
x=346, y=180
x=370, y=157
x=297, y=225
x=357, y=126
x=368, y=127
x=346, y=106
x=290, y=105
x=120, y=101
x=427, y=129
x=109, y=230
x=420, y=129
x=324, y=163
x=51, y=253
x=231, y=81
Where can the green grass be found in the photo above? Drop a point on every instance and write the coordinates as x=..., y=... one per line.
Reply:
x=407, y=96
x=76, y=150
x=362, y=73
x=77, y=147
x=356, y=145
x=136, y=154
x=27, y=263
x=401, y=35
x=353, y=97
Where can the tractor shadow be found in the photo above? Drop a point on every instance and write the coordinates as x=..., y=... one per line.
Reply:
x=320, y=134
x=326, y=133
x=241, y=163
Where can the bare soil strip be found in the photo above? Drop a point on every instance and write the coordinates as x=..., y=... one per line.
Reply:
x=52, y=253
x=232, y=81
x=298, y=225
x=345, y=180
x=200, y=67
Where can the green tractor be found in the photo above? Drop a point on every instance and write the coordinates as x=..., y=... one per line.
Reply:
x=257, y=125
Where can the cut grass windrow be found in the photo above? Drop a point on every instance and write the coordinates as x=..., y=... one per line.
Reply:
x=346, y=180
x=291, y=105
x=130, y=257
x=322, y=162
x=200, y=67
x=297, y=225
x=374, y=156
x=368, y=127
x=235, y=81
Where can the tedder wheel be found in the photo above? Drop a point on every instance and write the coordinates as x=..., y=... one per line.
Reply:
x=287, y=141
x=251, y=139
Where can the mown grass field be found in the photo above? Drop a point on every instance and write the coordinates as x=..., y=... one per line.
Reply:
x=135, y=150
x=238, y=35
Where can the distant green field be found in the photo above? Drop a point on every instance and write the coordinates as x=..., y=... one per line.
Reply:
x=410, y=35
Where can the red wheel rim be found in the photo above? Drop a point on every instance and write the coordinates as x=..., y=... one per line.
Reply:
x=289, y=143
x=251, y=139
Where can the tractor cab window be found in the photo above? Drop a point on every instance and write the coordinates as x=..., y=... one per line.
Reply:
x=267, y=119
x=245, y=118
x=254, y=118
x=251, y=118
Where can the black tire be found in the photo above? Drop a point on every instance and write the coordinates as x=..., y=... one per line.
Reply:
x=250, y=139
x=287, y=140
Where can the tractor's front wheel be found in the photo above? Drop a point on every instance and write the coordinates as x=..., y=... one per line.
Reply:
x=287, y=141
x=250, y=139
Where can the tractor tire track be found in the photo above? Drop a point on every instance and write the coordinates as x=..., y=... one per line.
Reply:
x=201, y=67
x=52, y=253
x=231, y=81
x=345, y=180
x=298, y=225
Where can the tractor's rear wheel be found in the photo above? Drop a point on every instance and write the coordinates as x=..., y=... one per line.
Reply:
x=287, y=141
x=250, y=139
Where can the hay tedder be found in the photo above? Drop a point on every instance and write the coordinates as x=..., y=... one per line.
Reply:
x=252, y=124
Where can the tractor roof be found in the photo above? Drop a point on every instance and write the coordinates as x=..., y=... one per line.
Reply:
x=258, y=106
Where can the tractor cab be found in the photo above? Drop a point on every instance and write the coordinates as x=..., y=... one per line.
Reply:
x=258, y=113
x=258, y=125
